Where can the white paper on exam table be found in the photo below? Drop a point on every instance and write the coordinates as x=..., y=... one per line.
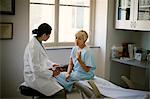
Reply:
x=109, y=89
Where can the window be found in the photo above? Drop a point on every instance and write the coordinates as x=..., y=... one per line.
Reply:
x=65, y=16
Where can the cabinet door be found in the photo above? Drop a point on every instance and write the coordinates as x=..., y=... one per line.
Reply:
x=124, y=15
x=142, y=15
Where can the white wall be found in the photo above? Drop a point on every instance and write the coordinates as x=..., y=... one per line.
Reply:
x=12, y=50
x=100, y=32
x=105, y=34
x=145, y=40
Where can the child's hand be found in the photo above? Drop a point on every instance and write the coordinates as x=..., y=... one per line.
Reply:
x=79, y=55
x=67, y=76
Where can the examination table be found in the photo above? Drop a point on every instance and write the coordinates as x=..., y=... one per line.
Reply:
x=97, y=88
x=90, y=89
x=104, y=89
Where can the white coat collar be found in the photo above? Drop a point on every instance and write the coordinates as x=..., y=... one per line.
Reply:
x=40, y=45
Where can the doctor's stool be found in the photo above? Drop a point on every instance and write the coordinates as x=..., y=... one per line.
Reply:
x=27, y=91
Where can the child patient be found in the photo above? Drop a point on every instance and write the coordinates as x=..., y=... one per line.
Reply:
x=81, y=64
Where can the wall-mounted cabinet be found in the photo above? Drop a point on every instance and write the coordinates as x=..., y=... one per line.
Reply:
x=133, y=14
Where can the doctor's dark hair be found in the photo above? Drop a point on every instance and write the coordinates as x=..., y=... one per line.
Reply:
x=44, y=28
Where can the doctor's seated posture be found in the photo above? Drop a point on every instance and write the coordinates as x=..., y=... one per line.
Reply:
x=39, y=71
x=81, y=64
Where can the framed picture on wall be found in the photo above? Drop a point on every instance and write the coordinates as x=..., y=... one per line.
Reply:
x=6, y=30
x=7, y=7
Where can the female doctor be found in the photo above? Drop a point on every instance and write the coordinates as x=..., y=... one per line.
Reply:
x=38, y=72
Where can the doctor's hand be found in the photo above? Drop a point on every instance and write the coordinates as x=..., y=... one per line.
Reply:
x=56, y=65
x=56, y=72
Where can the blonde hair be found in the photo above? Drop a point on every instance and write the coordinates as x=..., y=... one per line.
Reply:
x=83, y=34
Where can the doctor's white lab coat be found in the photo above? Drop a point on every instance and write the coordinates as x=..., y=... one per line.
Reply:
x=36, y=73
